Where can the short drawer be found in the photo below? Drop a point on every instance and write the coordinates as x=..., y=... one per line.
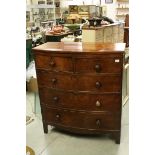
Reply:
x=81, y=101
x=54, y=63
x=55, y=80
x=76, y=119
x=108, y=83
x=111, y=64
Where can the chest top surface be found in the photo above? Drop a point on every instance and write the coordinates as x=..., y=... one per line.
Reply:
x=79, y=47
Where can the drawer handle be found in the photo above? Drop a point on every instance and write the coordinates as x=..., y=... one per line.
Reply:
x=55, y=99
x=98, y=104
x=57, y=116
x=97, y=68
x=98, y=122
x=52, y=63
x=54, y=80
x=98, y=84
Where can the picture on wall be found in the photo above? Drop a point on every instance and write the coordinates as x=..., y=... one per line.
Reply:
x=83, y=9
x=73, y=9
x=27, y=15
x=108, y=1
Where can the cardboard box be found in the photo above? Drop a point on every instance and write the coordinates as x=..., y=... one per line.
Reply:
x=32, y=85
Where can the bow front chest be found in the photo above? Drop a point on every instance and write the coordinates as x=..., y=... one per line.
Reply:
x=80, y=86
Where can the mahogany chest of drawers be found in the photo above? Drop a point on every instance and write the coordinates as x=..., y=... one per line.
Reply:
x=80, y=86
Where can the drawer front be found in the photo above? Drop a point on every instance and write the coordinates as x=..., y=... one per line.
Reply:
x=102, y=121
x=81, y=119
x=54, y=80
x=105, y=65
x=54, y=63
x=66, y=118
x=99, y=83
x=81, y=101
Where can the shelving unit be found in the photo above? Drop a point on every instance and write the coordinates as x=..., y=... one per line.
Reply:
x=44, y=12
x=122, y=9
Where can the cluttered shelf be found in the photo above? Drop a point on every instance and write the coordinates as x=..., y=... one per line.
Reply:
x=123, y=8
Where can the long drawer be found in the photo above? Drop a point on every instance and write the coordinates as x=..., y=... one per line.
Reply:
x=80, y=101
x=81, y=119
x=80, y=82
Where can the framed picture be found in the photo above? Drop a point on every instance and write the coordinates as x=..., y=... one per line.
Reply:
x=49, y=2
x=83, y=9
x=108, y=1
x=92, y=10
x=57, y=4
x=73, y=9
x=27, y=16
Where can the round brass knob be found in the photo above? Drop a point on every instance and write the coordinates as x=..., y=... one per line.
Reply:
x=98, y=84
x=54, y=80
x=57, y=116
x=98, y=122
x=97, y=68
x=55, y=99
x=98, y=104
x=52, y=63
